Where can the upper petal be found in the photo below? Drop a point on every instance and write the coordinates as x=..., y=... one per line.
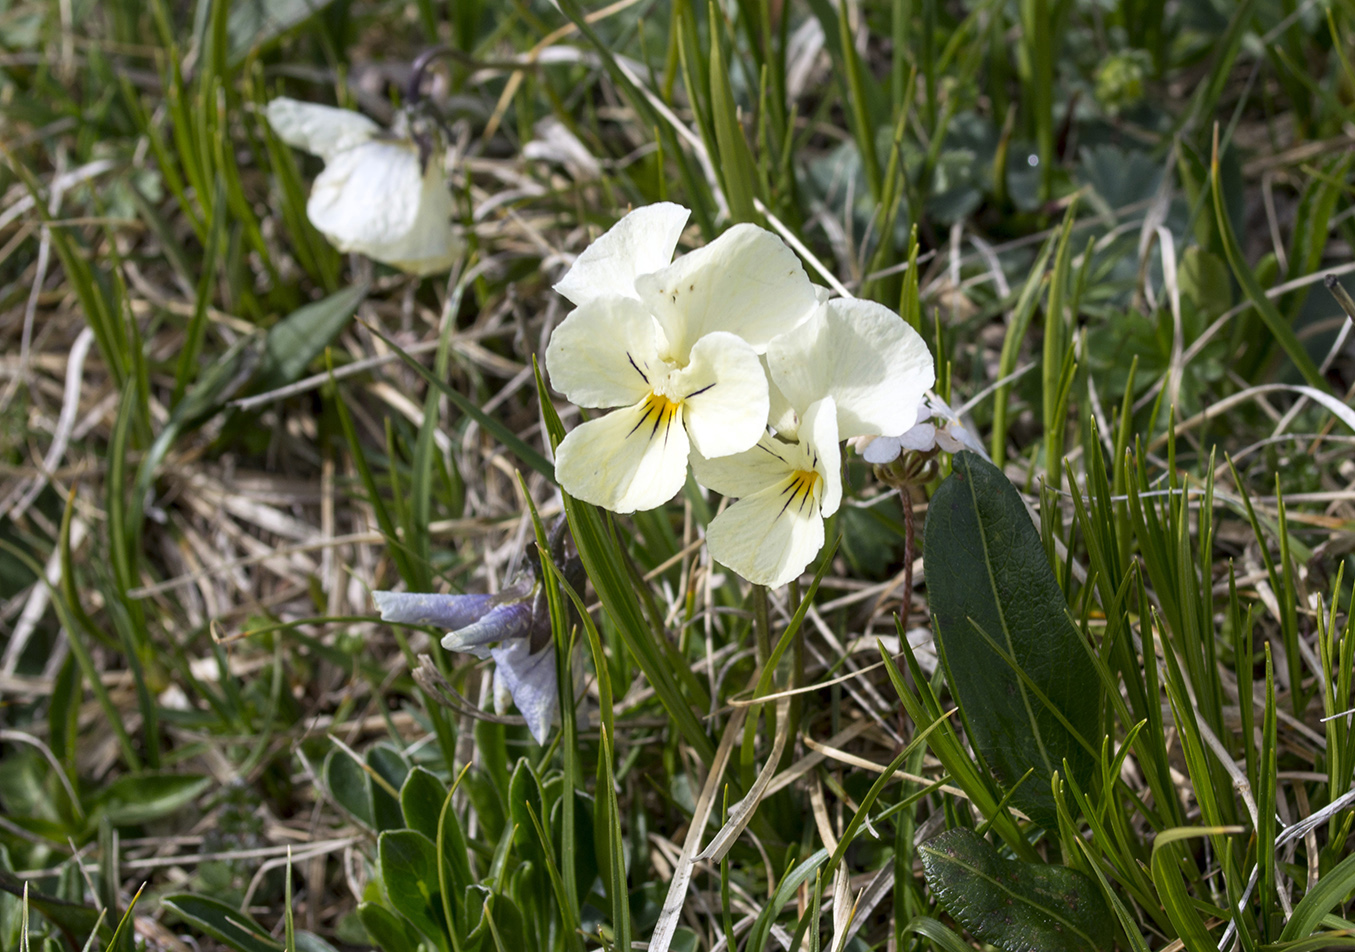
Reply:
x=724, y=390
x=511, y=621
x=746, y=282
x=641, y=242
x=320, y=130
x=440, y=611
x=633, y=458
x=770, y=537
x=605, y=353
x=367, y=198
x=873, y=364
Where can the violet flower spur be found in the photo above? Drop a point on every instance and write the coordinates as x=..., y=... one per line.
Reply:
x=511, y=627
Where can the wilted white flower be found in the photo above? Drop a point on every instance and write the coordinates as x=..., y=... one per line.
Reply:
x=785, y=488
x=382, y=194
x=675, y=345
x=937, y=427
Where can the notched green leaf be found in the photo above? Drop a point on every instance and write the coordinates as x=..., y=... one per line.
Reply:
x=1014, y=905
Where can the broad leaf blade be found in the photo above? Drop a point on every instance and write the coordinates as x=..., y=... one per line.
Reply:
x=301, y=336
x=1011, y=904
x=409, y=872
x=997, y=604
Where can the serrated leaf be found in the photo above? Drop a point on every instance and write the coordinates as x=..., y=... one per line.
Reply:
x=1014, y=905
x=409, y=873
x=998, y=608
x=149, y=796
x=228, y=925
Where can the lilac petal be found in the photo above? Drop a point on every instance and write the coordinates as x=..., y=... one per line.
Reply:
x=881, y=450
x=440, y=611
x=503, y=622
x=531, y=679
x=920, y=437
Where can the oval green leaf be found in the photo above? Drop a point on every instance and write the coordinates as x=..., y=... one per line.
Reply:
x=1014, y=905
x=1023, y=680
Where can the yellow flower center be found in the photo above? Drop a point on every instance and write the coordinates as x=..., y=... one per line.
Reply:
x=799, y=491
x=659, y=414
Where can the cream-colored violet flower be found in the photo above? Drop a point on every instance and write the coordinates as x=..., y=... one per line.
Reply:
x=382, y=194
x=675, y=346
x=936, y=427
x=785, y=488
x=854, y=368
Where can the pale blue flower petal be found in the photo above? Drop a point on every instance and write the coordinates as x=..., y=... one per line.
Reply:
x=440, y=611
x=531, y=679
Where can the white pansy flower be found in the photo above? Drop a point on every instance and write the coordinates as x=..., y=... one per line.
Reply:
x=867, y=358
x=382, y=194
x=675, y=346
x=936, y=427
x=785, y=489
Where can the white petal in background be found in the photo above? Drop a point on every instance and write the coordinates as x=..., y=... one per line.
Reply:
x=642, y=241
x=319, y=130
x=632, y=459
x=862, y=354
x=746, y=282
x=725, y=391
x=606, y=353
x=367, y=196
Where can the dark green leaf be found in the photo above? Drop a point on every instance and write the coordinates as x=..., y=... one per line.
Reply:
x=253, y=23
x=997, y=605
x=421, y=801
x=301, y=336
x=388, y=931
x=347, y=783
x=226, y=924
x=409, y=872
x=76, y=920
x=1012, y=904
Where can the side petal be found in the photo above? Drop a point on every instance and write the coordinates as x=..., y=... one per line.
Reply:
x=532, y=681
x=507, y=622
x=819, y=438
x=440, y=611
x=634, y=458
x=746, y=282
x=605, y=353
x=724, y=391
x=862, y=354
x=767, y=464
x=641, y=242
x=769, y=538
x=319, y=130
x=368, y=198
x=882, y=449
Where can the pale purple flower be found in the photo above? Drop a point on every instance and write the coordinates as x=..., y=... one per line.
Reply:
x=937, y=427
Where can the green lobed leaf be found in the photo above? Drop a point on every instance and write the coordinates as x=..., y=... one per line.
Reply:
x=997, y=605
x=1011, y=904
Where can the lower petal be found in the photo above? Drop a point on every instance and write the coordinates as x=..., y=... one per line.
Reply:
x=531, y=680
x=769, y=538
x=635, y=458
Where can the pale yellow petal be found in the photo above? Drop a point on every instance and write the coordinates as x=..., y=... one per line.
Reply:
x=770, y=537
x=630, y=459
x=746, y=282
x=605, y=353
x=639, y=243
x=724, y=395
